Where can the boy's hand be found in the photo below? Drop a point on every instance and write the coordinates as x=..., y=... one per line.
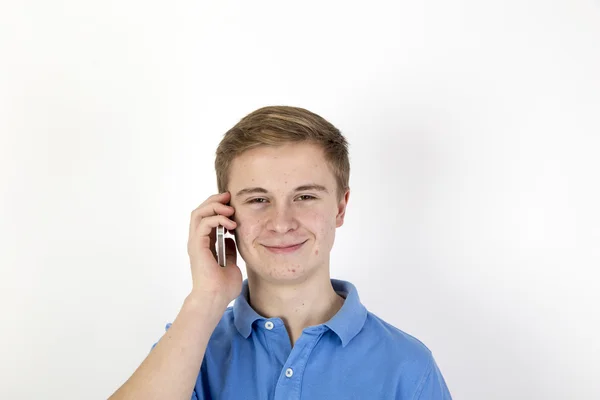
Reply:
x=210, y=279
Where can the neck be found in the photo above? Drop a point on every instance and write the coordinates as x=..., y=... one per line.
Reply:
x=300, y=305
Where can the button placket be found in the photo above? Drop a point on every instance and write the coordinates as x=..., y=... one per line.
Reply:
x=289, y=383
x=302, y=351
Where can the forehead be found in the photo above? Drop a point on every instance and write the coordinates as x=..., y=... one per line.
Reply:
x=290, y=164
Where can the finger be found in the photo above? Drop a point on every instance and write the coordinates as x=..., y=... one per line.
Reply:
x=209, y=210
x=222, y=198
x=230, y=252
x=219, y=197
x=207, y=225
x=215, y=210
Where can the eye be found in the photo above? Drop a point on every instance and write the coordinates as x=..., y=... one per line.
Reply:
x=305, y=197
x=257, y=200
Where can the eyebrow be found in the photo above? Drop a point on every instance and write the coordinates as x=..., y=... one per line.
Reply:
x=312, y=186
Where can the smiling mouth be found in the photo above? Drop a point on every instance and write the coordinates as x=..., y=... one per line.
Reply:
x=285, y=250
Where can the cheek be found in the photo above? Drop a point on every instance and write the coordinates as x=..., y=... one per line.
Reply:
x=248, y=228
x=320, y=223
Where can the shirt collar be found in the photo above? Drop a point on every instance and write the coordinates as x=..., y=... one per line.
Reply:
x=244, y=315
x=346, y=323
x=350, y=319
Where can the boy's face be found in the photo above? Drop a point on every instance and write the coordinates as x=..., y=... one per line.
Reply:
x=285, y=196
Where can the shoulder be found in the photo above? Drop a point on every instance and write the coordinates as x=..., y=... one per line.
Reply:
x=221, y=343
x=407, y=360
x=226, y=321
x=225, y=329
x=405, y=348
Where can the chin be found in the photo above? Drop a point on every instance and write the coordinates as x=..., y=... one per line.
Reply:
x=281, y=272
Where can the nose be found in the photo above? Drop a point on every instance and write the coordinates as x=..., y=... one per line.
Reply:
x=282, y=219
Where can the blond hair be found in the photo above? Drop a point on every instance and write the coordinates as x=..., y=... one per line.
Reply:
x=279, y=125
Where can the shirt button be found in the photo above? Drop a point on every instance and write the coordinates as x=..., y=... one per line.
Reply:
x=269, y=325
x=289, y=372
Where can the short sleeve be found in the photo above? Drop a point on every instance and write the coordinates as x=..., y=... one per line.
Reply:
x=433, y=386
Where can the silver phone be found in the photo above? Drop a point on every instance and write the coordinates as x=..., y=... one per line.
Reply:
x=221, y=259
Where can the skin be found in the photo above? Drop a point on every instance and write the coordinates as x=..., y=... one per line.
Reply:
x=294, y=286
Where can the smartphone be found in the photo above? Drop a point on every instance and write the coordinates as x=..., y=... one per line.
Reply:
x=221, y=259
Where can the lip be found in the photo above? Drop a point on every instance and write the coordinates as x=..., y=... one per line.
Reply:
x=285, y=250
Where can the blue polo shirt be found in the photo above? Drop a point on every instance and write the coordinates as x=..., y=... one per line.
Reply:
x=354, y=355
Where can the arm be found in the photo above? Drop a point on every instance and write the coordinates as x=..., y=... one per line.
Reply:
x=433, y=386
x=171, y=369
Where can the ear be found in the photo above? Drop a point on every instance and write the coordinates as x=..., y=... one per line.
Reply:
x=341, y=208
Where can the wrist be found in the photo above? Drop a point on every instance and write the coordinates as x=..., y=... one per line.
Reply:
x=209, y=305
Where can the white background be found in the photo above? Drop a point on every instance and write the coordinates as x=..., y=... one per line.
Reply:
x=473, y=222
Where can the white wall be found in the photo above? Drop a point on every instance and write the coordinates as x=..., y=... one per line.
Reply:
x=474, y=130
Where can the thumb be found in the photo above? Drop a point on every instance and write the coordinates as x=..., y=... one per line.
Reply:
x=230, y=252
